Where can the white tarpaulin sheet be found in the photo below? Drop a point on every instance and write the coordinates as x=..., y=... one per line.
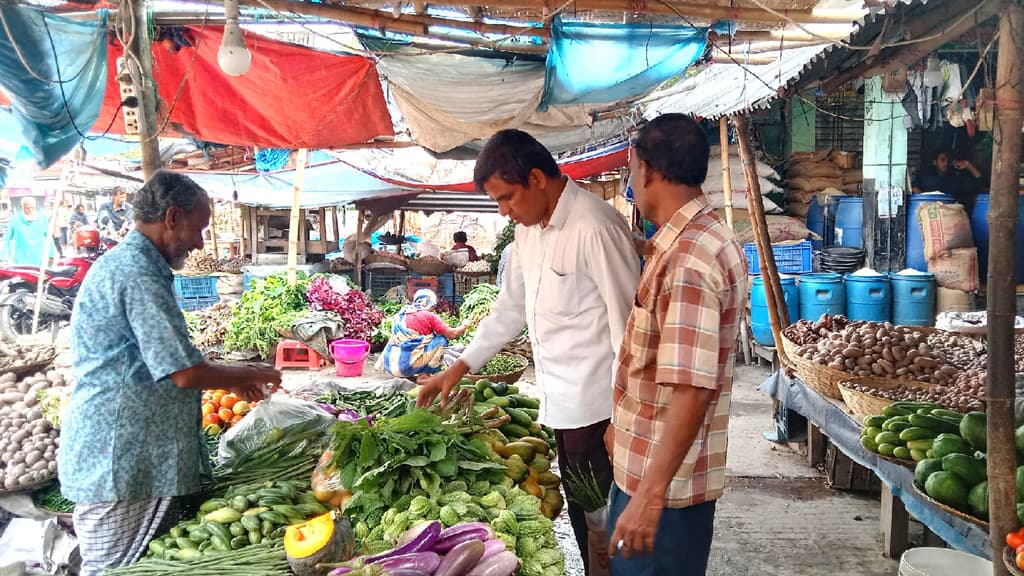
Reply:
x=449, y=99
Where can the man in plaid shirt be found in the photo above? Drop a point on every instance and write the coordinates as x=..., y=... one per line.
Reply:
x=674, y=377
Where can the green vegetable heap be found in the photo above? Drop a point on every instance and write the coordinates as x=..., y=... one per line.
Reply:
x=271, y=304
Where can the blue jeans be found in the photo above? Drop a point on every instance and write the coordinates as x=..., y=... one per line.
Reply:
x=681, y=544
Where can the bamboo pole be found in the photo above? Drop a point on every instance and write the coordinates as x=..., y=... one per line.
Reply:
x=244, y=213
x=46, y=261
x=778, y=314
x=359, y=253
x=1002, y=218
x=145, y=87
x=213, y=229
x=295, y=226
x=723, y=143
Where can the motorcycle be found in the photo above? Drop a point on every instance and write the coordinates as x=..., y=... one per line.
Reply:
x=19, y=286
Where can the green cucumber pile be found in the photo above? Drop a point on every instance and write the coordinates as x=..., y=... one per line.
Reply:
x=906, y=430
x=522, y=410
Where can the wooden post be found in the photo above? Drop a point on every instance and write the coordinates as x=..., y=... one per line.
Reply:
x=141, y=47
x=723, y=139
x=294, y=228
x=40, y=210
x=359, y=253
x=401, y=222
x=334, y=219
x=213, y=229
x=778, y=314
x=244, y=215
x=895, y=523
x=1002, y=219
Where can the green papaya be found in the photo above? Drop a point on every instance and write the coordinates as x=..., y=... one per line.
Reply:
x=977, y=499
x=973, y=428
x=946, y=444
x=926, y=468
x=948, y=489
x=970, y=469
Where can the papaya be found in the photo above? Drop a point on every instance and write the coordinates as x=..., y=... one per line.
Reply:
x=516, y=469
x=970, y=469
x=540, y=464
x=1018, y=440
x=948, y=489
x=530, y=486
x=1020, y=484
x=973, y=428
x=548, y=479
x=525, y=450
x=946, y=444
x=926, y=468
x=977, y=499
x=541, y=446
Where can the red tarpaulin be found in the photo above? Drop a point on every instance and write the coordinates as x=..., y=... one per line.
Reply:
x=577, y=168
x=292, y=97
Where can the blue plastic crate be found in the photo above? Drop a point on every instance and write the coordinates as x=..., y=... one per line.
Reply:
x=381, y=282
x=445, y=285
x=789, y=258
x=191, y=287
x=193, y=304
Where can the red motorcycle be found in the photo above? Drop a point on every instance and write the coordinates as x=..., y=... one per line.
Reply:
x=19, y=286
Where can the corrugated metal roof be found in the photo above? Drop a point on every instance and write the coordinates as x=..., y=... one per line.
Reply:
x=724, y=89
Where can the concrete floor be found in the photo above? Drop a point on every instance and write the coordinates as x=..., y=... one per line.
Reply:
x=778, y=515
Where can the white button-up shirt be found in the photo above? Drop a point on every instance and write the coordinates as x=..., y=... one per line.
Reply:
x=572, y=283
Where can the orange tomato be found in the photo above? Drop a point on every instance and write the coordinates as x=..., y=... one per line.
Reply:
x=225, y=414
x=209, y=419
x=209, y=408
x=1015, y=539
x=1019, y=560
x=236, y=418
x=228, y=401
x=217, y=396
x=242, y=407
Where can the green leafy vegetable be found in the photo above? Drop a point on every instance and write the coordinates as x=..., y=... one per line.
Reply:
x=269, y=306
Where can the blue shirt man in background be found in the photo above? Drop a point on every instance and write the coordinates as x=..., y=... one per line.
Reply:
x=132, y=440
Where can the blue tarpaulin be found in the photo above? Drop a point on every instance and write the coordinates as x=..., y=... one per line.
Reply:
x=591, y=63
x=54, y=70
x=327, y=184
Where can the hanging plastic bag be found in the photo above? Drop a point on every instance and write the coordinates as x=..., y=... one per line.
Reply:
x=271, y=420
x=597, y=542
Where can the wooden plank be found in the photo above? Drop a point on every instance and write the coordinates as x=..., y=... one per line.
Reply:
x=296, y=216
x=334, y=219
x=815, y=445
x=895, y=524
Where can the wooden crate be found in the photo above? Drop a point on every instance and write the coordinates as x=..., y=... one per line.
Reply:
x=842, y=473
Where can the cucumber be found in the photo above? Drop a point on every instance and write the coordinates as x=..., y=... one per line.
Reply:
x=901, y=452
x=917, y=433
x=526, y=402
x=895, y=410
x=212, y=504
x=218, y=542
x=267, y=528
x=156, y=547
x=869, y=444
x=925, y=411
x=875, y=421
x=894, y=420
x=519, y=417
x=887, y=438
x=937, y=424
x=886, y=449
x=255, y=537
x=189, y=554
x=917, y=454
x=275, y=517
x=236, y=529
x=177, y=532
x=534, y=414
x=947, y=414
x=224, y=515
x=240, y=503
x=514, y=431
x=501, y=401
x=199, y=535
x=922, y=444
x=871, y=431
x=185, y=543
x=239, y=542
x=897, y=427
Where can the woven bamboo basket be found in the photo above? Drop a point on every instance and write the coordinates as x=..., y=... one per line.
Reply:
x=788, y=346
x=385, y=258
x=862, y=404
x=1010, y=561
x=820, y=378
x=952, y=511
x=429, y=267
x=905, y=463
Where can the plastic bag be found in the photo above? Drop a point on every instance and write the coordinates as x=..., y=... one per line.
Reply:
x=255, y=430
x=597, y=542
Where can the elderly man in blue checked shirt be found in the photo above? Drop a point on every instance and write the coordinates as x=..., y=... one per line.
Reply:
x=132, y=440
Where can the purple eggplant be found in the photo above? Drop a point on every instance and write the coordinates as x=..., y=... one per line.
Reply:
x=502, y=564
x=418, y=530
x=461, y=559
x=340, y=571
x=405, y=572
x=452, y=537
x=422, y=561
x=424, y=540
x=492, y=548
x=329, y=408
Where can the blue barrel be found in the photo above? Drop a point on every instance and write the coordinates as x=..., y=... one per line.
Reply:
x=821, y=293
x=850, y=221
x=821, y=219
x=760, y=324
x=979, y=229
x=915, y=241
x=868, y=298
x=913, y=299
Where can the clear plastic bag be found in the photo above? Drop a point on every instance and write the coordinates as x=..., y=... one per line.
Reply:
x=597, y=542
x=279, y=417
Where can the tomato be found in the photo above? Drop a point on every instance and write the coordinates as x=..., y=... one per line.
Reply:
x=236, y=418
x=225, y=414
x=209, y=408
x=212, y=429
x=217, y=396
x=228, y=401
x=242, y=407
x=1015, y=539
x=209, y=419
x=1019, y=560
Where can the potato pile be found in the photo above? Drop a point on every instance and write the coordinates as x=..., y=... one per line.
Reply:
x=966, y=394
x=28, y=443
x=15, y=356
x=877, y=349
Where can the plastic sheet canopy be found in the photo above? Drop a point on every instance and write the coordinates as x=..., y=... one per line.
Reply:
x=591, y=63
x=54, y=72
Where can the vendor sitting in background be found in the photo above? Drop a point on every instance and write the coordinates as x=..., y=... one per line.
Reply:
x=460, y=239
x=418, y=339
x=962, y=182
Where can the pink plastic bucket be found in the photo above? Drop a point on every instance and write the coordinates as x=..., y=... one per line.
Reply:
x=349, y=356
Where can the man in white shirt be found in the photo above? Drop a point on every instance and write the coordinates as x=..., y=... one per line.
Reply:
x=571, y=277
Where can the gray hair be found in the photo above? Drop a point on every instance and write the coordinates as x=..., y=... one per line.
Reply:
x=163, y=190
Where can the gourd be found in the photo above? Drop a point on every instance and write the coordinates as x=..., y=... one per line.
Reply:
x=323, y=539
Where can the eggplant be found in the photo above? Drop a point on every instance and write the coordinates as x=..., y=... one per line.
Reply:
x=340, y=571
x=502, y=564
x=329, y=408
x=461, y=559
x=417, y=531
x=460, y=533
x=405, y=572
x=422, y=561
x=492, y=548
x=422, y=541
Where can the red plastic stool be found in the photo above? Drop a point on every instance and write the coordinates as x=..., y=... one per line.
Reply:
x=295, y=354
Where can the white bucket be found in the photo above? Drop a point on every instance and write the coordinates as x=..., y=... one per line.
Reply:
x=942, y=562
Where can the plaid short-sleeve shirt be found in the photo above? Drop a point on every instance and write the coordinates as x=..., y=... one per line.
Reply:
x=682, y=331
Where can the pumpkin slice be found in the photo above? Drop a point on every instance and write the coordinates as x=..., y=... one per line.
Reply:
x=323, y=539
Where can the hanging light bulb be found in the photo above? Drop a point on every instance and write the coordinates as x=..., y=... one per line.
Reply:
x=233, y=56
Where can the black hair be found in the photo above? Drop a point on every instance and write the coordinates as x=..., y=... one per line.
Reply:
x=512, y=155
x=676, y=146
x=460, y=237
x=163, y=190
